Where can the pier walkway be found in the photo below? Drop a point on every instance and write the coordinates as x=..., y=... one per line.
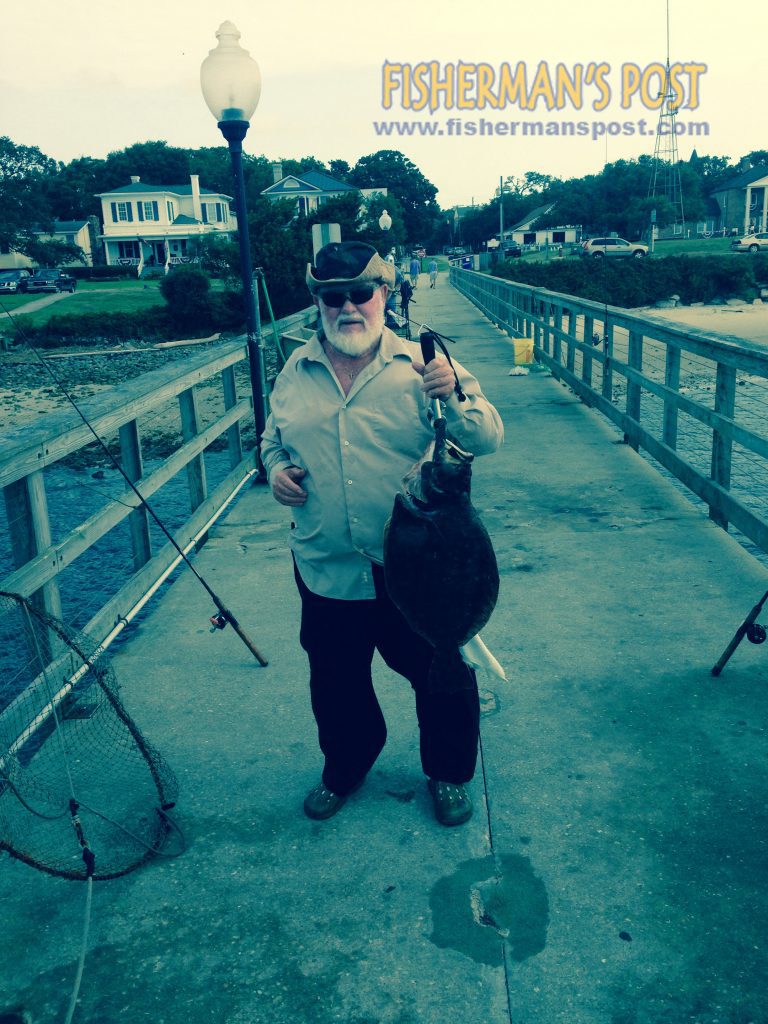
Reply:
x=615, y=869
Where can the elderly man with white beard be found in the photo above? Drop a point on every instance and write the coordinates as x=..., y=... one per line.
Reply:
x=350, y=416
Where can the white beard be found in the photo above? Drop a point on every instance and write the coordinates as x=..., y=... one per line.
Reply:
x=354, y=343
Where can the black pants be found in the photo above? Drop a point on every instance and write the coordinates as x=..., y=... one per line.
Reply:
x=340, y=638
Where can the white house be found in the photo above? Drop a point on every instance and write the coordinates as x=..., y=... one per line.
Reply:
x=311, y=188
x=73, y=232
x=523, y=233
x=153, y=226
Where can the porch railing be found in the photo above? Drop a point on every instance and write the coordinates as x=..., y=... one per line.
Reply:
x=693, y=400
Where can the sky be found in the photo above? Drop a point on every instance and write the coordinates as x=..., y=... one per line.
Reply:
x=88, y=77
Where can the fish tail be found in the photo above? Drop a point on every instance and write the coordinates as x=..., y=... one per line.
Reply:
x=448, y=672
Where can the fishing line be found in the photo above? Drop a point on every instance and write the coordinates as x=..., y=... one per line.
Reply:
x=225, y=615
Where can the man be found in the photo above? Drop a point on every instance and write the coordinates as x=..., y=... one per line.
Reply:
x=350, y=416
x=415, y=270
x=432, y=272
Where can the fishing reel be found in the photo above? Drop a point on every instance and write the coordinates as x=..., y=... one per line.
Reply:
x=218, y=621
x=756, y=634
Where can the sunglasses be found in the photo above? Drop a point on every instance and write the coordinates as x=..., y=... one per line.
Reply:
x=357, y=296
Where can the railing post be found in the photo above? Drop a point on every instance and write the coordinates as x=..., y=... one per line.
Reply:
x=29, y=531
x=190, y=427
x=234, y=439
x=572, y=325
x=607, y=357
x=586, y=353
x=556, y=337
x=722, y=446
x=634, y=390
x=546, y=332
x=672, y=381
x=130, y=457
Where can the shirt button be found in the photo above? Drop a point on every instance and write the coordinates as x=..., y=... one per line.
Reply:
x=346, y=444
x=349, y=481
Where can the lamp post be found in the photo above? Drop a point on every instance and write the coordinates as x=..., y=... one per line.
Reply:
x=385, y=221
x=231, y=84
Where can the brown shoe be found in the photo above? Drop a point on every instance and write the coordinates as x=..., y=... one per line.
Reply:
x=452, y=803
x=321, y=802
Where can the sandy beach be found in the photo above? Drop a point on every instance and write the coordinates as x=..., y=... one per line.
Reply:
x=746, y=320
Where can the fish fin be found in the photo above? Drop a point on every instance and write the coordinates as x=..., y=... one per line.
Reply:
x=476, y=654
x=448, y=672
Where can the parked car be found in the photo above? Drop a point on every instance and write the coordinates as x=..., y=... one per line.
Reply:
x=751, y=243
x=511, y=250
x=14, y=280
x=48, y=280
x=420, y=252
x=612, y=247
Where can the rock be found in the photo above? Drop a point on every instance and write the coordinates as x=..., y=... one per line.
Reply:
x=665, y=304
x=734, y=302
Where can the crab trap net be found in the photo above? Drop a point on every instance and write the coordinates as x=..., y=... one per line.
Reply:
x=82, y=792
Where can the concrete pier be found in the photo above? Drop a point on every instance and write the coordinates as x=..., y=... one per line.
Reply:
x=616, y=868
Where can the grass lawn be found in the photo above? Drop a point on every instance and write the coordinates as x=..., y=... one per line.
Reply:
x=12, y=302
x=693, y=247
x=97, y=297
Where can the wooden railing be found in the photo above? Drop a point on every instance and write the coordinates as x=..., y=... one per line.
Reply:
x=693, y=400
x=27, y=453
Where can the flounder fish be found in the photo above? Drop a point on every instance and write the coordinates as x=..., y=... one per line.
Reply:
x=439, y=564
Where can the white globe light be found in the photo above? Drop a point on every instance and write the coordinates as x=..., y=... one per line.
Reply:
x=230, y=78
x=385, y=221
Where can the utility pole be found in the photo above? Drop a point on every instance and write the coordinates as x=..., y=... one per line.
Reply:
x=501, y=214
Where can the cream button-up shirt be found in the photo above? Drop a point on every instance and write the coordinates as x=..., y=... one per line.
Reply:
x=356, y=449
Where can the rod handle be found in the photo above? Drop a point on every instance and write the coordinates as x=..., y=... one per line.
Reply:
x=427, y=341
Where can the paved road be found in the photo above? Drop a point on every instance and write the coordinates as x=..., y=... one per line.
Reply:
x=615, y=870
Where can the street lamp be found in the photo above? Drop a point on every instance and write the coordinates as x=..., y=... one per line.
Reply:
x=385, y=221
x=231, y=84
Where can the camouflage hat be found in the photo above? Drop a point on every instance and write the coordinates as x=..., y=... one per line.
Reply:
x=348, y=263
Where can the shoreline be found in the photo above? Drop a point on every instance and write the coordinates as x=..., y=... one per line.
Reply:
x=27, y=391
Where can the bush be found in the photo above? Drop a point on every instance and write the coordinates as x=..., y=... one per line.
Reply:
x=187, y=290
x=633, y=282
x=102, y=273
x=99, y=328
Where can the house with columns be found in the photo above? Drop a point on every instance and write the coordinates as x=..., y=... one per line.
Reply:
x=154, y=227
x=743, y=201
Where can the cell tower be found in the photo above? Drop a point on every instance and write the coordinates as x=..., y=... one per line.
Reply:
x=665, y=176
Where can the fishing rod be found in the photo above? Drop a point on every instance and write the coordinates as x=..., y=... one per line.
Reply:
x=223, y=616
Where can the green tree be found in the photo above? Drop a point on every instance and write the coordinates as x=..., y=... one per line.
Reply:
x=52, y=253
x=23, y=204
x=156, y=163
x=71, y=190
x=390, y=169
x=281, y=244
x=339, y=169
x=368, y=223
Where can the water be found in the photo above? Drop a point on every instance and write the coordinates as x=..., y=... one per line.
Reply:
x=96, y=576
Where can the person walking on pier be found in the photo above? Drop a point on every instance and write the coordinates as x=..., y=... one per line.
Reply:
x=415, y=270
x=350, y=417
x=432, y=272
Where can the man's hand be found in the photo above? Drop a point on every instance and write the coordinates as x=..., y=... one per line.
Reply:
x=285, y=488
x=438, y=377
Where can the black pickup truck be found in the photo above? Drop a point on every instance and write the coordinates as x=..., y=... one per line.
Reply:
x=56, y=280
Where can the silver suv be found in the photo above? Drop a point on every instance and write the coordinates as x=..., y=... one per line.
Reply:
x=612, y=247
